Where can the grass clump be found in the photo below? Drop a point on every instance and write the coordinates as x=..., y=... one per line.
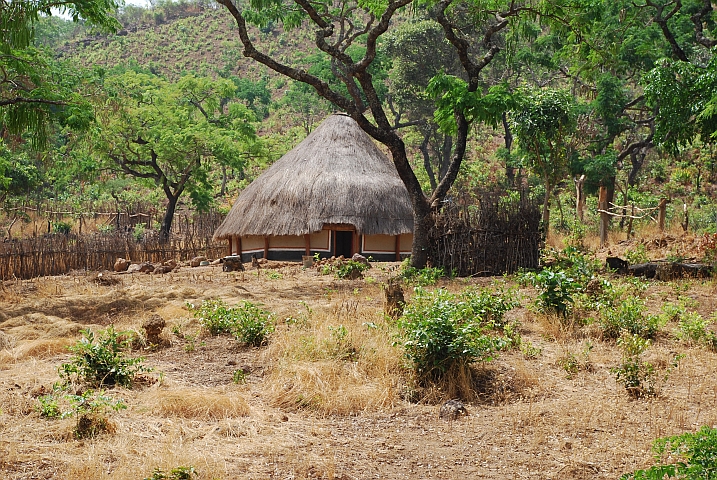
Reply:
x=100, y=360
x=177, y=473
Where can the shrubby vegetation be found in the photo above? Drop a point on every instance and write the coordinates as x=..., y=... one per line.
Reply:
x=250, y=324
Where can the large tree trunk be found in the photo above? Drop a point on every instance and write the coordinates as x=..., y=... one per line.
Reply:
x=166, y=226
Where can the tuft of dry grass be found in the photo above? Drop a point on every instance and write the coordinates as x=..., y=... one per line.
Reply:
x=200, y=404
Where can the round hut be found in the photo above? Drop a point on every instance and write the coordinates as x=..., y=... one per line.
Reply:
x=333, y=194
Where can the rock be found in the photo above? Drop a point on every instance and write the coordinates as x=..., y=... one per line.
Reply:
x=106, y=278
x=232, y=264
x=452, y=409
x=153, y=327
x=357, y=257
x=134, y=268
x=146, y=267
x=162, y=269
x=204, y=263
x=170, y=263
x=617, y=264
x=196, y=261
x=121, y=265
x=216, y=262
x=262, y=261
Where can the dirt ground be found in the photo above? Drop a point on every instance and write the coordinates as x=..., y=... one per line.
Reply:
x=530, y=419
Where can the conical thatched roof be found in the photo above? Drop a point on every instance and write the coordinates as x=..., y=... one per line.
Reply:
x=336, y=175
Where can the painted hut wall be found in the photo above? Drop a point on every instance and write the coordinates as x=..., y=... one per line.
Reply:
x=287, y=242
x=321, y=241
x=406, y=243
x=378, y=244
x=252, y=244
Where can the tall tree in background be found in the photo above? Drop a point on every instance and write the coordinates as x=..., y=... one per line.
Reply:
x=174, y=134
x=348, y=34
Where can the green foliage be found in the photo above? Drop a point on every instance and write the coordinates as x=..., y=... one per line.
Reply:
x=100, y=360
x=214, y=316
x=637, y=376
x=351, y=269
x=63, y=228
x=572, y=363
x=441, y=331
x=637, y=255
x=248, y=323
x=239, y=376
x=177, y=473
x=555, y=291
x=629, y=316
x=420, y=276
x=697, y=454
x=253, y=325
x=692, y=327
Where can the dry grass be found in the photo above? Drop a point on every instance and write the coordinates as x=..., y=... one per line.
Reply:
x=329, y=396
x=200, y=404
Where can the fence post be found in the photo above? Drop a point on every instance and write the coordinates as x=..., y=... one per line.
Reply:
x=604, y=217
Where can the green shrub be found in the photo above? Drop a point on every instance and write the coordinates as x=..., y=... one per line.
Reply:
x=637, y=255
x=421, y=276
x=490, y=307
x=252, y=324
x=100, y=360
x=177, y=473
x=555, y=291
x=692, y=328
x=629, y=316
x=697, y=454
x=637, y=376
x=441, y=331
x=89, y=409
x=351, y=269
x=214, y=316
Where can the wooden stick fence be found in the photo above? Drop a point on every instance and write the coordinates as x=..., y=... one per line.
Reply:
x=496, y=236
x=59, y=254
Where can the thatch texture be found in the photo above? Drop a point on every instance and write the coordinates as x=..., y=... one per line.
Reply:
x=336, y=175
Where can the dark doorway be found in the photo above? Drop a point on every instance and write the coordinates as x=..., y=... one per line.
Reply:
x=344, y=244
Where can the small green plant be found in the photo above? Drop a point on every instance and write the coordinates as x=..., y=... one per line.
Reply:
x=253, y=325
x=440, y=332
x=138, y=232
x=351, y=269
x=177, y=473
x=274, y=275
x=89, y=408
x=63, y=228
x=637, y=376
x=692, y=328
x=629, y=316
x=422, y=277
x=637, y=255
x=100, y=360
x=490, y=306
x=555, y=291
x=239, y=376
x=339, y=344
x=696, y=454
x=572, y=363
x=214, y=316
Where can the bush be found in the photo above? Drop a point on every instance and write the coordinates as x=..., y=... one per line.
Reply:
x=100, y=360
x=214, y=316
x=248, y=323
x=252, y=324
x=421, y=276
x=441, y=331
x=177, y=473
x=637, y=376
x=555, y=291
x=629, y=316
x=697, y=453
x=351, y=269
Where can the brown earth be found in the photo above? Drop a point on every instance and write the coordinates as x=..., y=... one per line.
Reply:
x=303, y=413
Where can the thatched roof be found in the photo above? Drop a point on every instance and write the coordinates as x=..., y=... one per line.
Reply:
x=336, y=175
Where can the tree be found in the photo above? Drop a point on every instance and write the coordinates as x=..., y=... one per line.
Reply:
x=34, y=88
x=173, y=133
x=348, y=35
x=544, y=122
